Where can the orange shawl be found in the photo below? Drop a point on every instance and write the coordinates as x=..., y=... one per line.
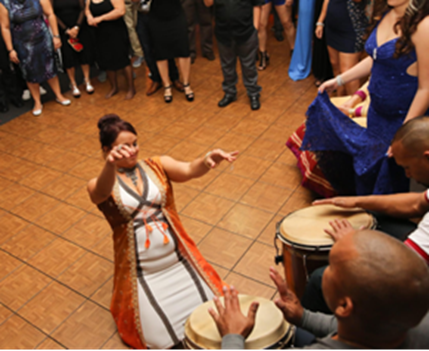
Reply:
x=124, y=305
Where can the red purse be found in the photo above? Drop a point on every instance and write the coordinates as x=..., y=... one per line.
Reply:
x=75, y=44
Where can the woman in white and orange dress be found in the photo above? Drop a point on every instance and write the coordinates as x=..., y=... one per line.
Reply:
x=160, y=276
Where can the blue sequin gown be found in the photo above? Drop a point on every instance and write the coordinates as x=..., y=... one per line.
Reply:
x=353, y=158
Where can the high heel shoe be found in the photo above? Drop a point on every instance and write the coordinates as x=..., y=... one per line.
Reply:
x=190, y=96
x=264, y=60
x=168, y=98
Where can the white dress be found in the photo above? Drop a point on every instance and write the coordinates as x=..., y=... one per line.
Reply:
x=169, y=288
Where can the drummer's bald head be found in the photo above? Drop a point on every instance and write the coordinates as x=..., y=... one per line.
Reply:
x=387, y=282
x=414, y=135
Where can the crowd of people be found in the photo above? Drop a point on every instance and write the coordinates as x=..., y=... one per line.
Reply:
x=375, y=288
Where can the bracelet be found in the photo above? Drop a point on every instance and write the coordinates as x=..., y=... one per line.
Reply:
x=56, y=36
x=361, y=94
x=320, y=24
x=205, y=159
x=340, y=81
x=358, y=111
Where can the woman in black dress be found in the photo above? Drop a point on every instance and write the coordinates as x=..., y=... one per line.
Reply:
x=169, y=36
x=112, y=41
x=70, y=17
x=345, y=23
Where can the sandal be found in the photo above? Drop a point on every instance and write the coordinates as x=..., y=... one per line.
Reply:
x=168, y=98
x=75, y=91
x=264, y=60
x=190, y=96
x=89, y=88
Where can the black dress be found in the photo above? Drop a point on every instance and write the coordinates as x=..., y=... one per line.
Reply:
x=69, y=14
x=112, y=41
x=168, y=30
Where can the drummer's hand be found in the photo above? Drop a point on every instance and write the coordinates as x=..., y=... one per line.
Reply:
x=288, y=303
x=340, y=228
x=119, y=152
x=215, y=157
x=343, y=201
x=230, y=319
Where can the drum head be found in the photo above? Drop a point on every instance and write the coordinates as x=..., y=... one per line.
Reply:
x=270, y=326
x=306, y=227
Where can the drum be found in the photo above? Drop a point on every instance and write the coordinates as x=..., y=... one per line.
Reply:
x=271, y=329
x=305, y=244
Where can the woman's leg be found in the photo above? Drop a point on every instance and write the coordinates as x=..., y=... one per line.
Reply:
x=263, y=23
x=130, y=81
x=113, y=80
x=334, y=57
x=85, y=71
x=35, y=93
x=71, y=75
x=347, y=61
x=285, y=15
x=54, y=83
x=163, y=72
x=185, y=68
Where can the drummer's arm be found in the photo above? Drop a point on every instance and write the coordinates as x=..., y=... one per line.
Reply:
x=319, y=324
x=406, y=205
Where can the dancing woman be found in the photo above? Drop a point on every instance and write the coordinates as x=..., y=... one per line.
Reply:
x=352, y=158
x=160, y=276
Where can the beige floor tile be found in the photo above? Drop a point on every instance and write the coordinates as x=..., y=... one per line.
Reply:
x=183, y=195
x=8, y=264
x=248, y=286
x=251, y=126
x=267, y=236
x=21, y=285
x=266, y=149
x=13, y=196
x=234, y=141
x=245, y=220
x=56, y=257
x=206, y=136
x=40, y=178
x=104, y=248
x=224, y=248
x=35, y=206
x=103, y=295
x=223, y=272
x=266, y=197
x=87, y=274
x=288, y=158
x=208, y=208
x=249, y=167
x=81, y=199
x=180, y=130
x=301, y=198
x=64, y=186
x=160, y=144
x=51, y=307
x=230, y=186
x=5, y=184
x=202, y=182
x=88, y=169
x=49, y=344
x=4, y=314
x=283, y=175
x=257, y=262
x=16, y=333
x=187, y=151
x=196, y=230
x=66, y=161
x=28, y=242
x=115, y=343
x=10, y=226
x=87, y=328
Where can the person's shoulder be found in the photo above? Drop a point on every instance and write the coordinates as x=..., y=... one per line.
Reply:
x=422, y=30
x=418, y=337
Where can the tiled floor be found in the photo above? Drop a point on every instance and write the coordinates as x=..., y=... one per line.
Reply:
x=56, y=257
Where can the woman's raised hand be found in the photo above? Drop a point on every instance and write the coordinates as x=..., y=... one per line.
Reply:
x=215, y=157
x=118, y=153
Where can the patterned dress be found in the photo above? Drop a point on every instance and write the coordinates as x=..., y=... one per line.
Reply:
x=31, y=40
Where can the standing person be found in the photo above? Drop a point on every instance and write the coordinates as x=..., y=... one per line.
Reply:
x=284, y=11
x=236, y=33
x=112, y=41
x=30, y=44
x=345, y=22
x=147, y=46
x=160, y=276
x=130, y=19
x=169, y=36
x=196, y=12
x=10, y=87
x=74, y=31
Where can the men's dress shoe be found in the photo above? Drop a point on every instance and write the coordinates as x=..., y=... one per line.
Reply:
x=154, y=87
x=226, y=100
x=209, y=56
x=3, y=107
x=254, y=102
x=17, y=102
x=178, y=85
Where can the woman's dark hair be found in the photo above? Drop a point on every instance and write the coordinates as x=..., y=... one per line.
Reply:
x=110, y=126
x=416, y=11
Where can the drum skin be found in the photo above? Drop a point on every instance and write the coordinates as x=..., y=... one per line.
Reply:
x=271, y=329
x=305, y=244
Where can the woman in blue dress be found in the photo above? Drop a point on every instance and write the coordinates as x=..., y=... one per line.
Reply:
x=31, y=45
x=355, y=160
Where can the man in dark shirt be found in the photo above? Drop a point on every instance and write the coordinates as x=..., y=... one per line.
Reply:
x=235, y=31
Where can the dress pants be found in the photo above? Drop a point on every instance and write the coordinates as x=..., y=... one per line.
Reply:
x=246, y=52
x=197, y=12
x=11, y=82
x=143, y=35
x=130, y=19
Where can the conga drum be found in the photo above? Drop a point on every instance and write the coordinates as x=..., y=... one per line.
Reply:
x=271, y=330
x=305, y=244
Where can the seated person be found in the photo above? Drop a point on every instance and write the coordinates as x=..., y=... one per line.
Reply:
x=410, y=148
x=160, y=276
x=376, y=287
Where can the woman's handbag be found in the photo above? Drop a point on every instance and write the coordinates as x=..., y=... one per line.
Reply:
x=75, y=44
